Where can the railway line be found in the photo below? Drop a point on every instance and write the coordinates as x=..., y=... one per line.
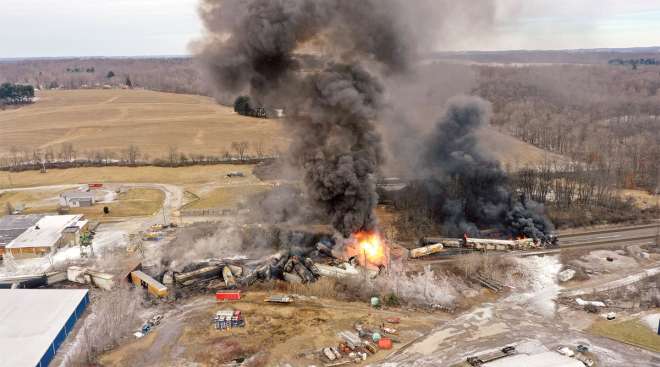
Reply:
x=619, y=236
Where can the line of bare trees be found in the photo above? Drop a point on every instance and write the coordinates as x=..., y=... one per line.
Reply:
x=113, y=317
x=66, y=155
x=578, y=194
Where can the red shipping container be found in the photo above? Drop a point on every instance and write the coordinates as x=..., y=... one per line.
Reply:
x=385, y=343
x=228, y=295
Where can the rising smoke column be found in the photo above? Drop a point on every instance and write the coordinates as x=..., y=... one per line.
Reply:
x=465, y=187
x=252, y=46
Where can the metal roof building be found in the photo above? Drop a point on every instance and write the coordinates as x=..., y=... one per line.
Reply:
x=42, y=237
x=35, y=322
x=12, y=226
x=77, y=198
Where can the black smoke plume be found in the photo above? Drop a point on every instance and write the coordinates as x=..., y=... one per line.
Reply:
x=331, y=104
x=464, y=187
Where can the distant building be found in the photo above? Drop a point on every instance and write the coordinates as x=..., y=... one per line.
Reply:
x=12, y=226
x=77, y=199
x=47, y=235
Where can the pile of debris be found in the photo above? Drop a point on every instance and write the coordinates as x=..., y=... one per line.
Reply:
x=294, y=269
x=208, y=274
x=292, y=265
x=356, y=346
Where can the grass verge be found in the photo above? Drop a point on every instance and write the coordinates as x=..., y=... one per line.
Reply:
x=629, y=331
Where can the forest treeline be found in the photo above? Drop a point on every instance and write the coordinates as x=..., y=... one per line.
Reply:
x=174, y=74
x=601, y=116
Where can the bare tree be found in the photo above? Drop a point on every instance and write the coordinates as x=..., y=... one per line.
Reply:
x=107, y=155
x=259, y=149
x=468, y=264
x=67, y=152
x=240, y=148
x=132, y=154
x=113, y=316
x=13, y=151
x=172, y=155
x=226, y=154
x=37, y=156
x=49, y=154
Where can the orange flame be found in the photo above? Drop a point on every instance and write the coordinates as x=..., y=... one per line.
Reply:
x=369, y=246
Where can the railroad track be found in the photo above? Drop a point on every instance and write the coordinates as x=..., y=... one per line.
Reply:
x=566, y=247
x=608, y=230
x=607, y=241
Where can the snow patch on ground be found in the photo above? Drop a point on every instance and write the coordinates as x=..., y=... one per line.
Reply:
x=542, y=289
x=596, y=261
x=530, y=346
x=651, y=321
x=105, y=240
x=426, y=288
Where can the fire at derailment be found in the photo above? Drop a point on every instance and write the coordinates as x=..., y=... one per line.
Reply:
x=369, y=248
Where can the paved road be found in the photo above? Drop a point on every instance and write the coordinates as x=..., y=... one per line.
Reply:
x=617, y=283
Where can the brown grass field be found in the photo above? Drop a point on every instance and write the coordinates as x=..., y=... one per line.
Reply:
x=133, y=203
x=181, y=176
x=37, y=199
x=136, y=202
x=94, y=120
x=97, y=120
x=226, y=197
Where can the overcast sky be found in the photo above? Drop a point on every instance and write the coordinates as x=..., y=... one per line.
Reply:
x=51, y=28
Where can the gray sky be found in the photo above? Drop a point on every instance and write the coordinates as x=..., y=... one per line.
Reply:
x=50, y=28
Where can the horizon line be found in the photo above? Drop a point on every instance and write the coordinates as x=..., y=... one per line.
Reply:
x=147, y=56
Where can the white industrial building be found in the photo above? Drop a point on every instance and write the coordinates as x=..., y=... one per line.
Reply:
x=35, y=322
x=77, y=199
x=46, y=235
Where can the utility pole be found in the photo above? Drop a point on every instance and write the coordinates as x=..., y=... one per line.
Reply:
x=164, y=219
